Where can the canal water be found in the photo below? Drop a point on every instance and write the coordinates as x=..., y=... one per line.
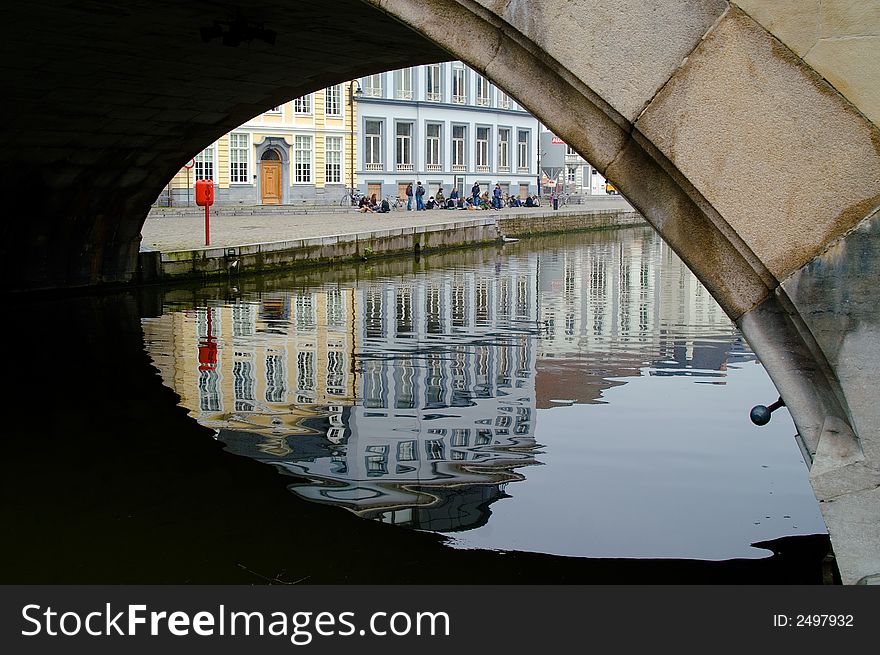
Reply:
x=579, y=397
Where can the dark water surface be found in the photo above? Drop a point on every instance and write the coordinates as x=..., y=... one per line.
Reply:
x=569, y=409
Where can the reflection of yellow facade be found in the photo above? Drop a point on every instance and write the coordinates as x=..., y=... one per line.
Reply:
x=275, y=361
x=313, y=136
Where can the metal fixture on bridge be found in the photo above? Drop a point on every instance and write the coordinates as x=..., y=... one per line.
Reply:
x=760, y=414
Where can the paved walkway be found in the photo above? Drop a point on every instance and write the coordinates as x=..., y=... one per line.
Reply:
x=172, y=233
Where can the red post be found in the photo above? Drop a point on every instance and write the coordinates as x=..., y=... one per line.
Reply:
x=205, y=198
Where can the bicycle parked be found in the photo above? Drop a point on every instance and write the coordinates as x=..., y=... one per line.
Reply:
x=351, y=198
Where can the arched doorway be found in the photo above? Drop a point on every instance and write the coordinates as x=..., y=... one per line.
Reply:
x=270, y=177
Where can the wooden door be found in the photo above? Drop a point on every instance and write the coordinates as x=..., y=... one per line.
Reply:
x=270, y=182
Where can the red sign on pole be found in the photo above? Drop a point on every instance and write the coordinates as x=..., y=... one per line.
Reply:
x=557, y=141
x=205, y=198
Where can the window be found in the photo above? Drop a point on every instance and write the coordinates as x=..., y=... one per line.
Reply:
x=303, y=170
x=372, y=86
x=503, y=100
x=333, y=100
x=274, y=110
x=522, y=150
x=459, y=83
x=503, y=149
x=433, y=87
x=403, y=83
x=404, y=146
x=204, y=168
x=482, y=149
x=459, y=133
x=483, y=92
x=303, y=105
x=373, y=145
x=333, y=160
x=571, y=174
x=432, y=147
x=238, y=158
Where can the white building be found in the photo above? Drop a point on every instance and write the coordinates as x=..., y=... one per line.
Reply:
x=444, y=125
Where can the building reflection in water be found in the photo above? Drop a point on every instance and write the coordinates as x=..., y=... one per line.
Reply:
x=412, y=400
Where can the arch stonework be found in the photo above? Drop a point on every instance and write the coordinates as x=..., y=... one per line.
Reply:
x=745, y=133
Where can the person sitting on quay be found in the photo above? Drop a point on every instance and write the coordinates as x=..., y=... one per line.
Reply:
x=529, y=202
x=452, y=203
x=440, y=199
x=431, y=204
x=364, y=205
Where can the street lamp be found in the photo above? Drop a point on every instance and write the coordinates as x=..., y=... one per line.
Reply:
x=352, y=94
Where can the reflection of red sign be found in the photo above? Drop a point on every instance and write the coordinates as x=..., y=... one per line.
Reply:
x=556, y=285
x=208, y=348
x=557, y=141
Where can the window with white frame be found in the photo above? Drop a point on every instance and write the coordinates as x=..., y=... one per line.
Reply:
x=432, y=147
x=403, y=83
x=503, y=100
x=483, y=91
x=404, y=146
x=433, y=85
x=459, y=134
x=204, y=168
x=482, y=150
x=333, y=159
x=274, y=110
x=303, y=159
x=372, y=85
x=459, y=83
x=303, y=105
x=238, y=158
x=522, y=150
x=503, y=148
x=571, y=174
x=373, y=145
x=333, y=100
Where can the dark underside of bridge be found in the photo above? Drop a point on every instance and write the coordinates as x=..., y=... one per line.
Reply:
x=106, y=100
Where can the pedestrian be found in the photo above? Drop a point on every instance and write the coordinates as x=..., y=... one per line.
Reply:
x=409, y=197
x=475, y=192
x=420, y=197
x=496, y=197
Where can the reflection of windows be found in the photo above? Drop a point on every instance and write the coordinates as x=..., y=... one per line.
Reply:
x=243, y=380
x=404, y=309
x=404, y=387
x=373, y=302
x=335, y=372
x=374, y=385
x=376, y=460
x=335, y=309
x=460, y=437
x=243, y=320
x=209, y=391
x=305, y=371
x=407, y=451
x=483, y=437
x=305, y=316
x=275, y=379
x=434, y=449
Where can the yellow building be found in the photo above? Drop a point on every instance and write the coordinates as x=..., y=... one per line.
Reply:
x=298, y=153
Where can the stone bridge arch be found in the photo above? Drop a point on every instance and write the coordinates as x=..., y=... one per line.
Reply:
x=746, y=133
